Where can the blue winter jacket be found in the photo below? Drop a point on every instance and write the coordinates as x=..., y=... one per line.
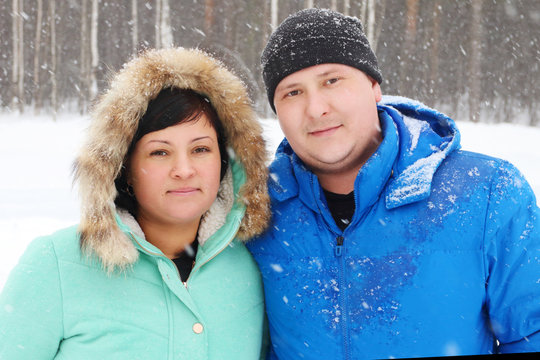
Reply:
x=441, y=257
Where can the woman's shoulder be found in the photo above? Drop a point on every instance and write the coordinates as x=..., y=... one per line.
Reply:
x=62, y=244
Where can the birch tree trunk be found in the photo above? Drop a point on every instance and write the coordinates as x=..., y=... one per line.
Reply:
x=475, y=59
x=134, y=26
x=15, y=49
x=94, y=52
x=363, y=12
x=434, y=52
x=265, y=29
x=165, y=25
x=17, y=75
x=370, y=26
x=347, y=7
x=20, y=82
x=84, y=61
x=367, y=17
x=37, y=50
x=308, y=4
x=274, y=14
x=157, y=24
x=54, y=89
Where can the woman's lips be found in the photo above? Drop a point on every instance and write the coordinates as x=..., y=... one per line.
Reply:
x=183, y=191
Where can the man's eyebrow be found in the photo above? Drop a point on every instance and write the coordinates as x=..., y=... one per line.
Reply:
x=328, y=72
x=295, y=84
x=287, y=87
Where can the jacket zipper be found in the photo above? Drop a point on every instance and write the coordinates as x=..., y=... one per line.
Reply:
x=339, y=245
x=338, y=250
x=342, y=296
x=167, y=297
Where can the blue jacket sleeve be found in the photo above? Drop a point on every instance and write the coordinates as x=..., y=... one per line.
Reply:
x=512, y=263
x=31, y=306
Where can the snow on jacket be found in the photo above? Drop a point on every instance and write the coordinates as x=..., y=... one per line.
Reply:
x=100, y=290
x=441, y=257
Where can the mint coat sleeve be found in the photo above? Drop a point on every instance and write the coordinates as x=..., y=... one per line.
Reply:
x=31, y=305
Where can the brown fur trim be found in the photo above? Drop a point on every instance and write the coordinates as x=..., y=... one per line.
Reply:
x=114, y=122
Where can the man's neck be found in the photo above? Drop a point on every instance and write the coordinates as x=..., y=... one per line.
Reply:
x=342, y=183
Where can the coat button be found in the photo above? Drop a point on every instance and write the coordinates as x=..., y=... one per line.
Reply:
x=197, y=328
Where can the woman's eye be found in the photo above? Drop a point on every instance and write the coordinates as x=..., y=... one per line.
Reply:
x=201, y=149
x=158, y=153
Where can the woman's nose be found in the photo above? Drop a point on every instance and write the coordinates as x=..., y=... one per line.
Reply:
x=182, y=168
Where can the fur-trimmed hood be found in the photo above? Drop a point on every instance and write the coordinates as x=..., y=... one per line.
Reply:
x=115, y=119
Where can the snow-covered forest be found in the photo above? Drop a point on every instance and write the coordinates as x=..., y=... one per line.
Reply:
x=473, y=59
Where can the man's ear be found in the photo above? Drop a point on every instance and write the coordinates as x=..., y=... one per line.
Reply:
x=377, y=91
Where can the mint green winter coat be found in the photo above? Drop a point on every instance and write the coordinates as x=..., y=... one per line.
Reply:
x=100, y=290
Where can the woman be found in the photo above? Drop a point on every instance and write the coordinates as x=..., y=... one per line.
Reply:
x=156, y=268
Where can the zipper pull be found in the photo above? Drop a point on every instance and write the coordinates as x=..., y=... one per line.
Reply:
x=339, y=244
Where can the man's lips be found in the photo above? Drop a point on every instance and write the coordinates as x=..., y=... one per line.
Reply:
x=325, y=132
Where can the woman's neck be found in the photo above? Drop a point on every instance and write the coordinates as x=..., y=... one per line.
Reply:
x=170, y=239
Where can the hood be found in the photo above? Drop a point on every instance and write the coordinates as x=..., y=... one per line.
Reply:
x=114, y=121
x=426, y=138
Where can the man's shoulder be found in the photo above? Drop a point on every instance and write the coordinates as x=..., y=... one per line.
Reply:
x=489, y=172
x=464, y=154
x=474, y=162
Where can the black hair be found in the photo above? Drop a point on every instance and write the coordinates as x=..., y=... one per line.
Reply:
x=172, y=106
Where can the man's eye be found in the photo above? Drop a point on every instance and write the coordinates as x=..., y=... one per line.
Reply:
x=331, y=81
x=292, y=93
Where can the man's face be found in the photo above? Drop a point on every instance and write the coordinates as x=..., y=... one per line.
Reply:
x=328, y=114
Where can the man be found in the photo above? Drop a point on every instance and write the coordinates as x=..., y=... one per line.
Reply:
x=387, y=241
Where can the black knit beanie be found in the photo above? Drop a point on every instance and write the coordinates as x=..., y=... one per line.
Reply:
x=312, y=37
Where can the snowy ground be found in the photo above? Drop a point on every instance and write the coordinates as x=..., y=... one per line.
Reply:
x=36, y=155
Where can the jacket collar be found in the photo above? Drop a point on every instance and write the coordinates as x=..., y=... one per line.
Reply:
x=416, y=139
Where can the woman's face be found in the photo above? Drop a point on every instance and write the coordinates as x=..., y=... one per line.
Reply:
x=175, y=173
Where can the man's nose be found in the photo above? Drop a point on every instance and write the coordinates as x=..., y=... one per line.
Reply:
x=317, y=104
